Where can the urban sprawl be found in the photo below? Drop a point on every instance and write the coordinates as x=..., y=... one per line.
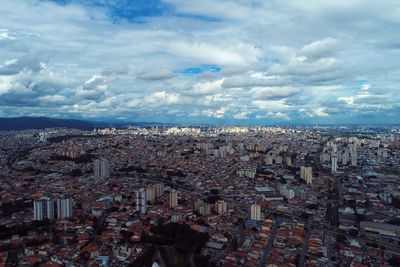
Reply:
x=200, y=196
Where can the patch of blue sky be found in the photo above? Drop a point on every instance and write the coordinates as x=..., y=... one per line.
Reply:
x=200, y=69
x=135, y=11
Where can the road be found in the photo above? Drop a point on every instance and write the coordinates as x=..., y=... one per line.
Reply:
x=304, y=248
x=268, y=248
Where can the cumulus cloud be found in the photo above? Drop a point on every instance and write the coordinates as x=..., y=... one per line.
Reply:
x=93, y=89
x=322, y=48
x=273, y=92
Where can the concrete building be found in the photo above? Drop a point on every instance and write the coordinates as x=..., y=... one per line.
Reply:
x=151, y=193
x=334, y=161
x=173, y=198
x=306, y=174
x=141, y=200
x=64, y=208
x=38, y=210
x=220, y=206
x=286, y=192
x=255, y=212
x=353, y=155
x=159, y=190
x=101, y=168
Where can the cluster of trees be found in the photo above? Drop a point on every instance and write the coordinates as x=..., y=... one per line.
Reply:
x=181, y=236
x=81, y=159
x=146, y=259
x=8, y=208
x=23, y=229
x=178, y=242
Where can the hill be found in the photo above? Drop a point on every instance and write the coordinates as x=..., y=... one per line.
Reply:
x=23, y=123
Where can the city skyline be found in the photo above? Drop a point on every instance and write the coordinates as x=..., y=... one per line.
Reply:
x=213, y=62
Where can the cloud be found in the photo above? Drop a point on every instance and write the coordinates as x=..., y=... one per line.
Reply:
x=242, y=115
x=210, y=61
x=319, y=49
x=314, y=112
x=236, y=55
x=273, y=92
x=93, y=89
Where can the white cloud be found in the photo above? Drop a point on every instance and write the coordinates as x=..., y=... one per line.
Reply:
x=242, y=115
x=321, y=48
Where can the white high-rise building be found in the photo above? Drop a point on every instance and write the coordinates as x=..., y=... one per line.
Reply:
x=306, y=174
x=101, y=168
x=43, y=209
x=151, y=193
x=286, y=192
x=220, y=206
x=288, y=161
x=38, y=210
x=269, y=160
x=353, y=155
x=334, y=161
x=255, y=212
x=141, y=200
x=173, y=198
x=159, y=188
x=50, y=209
x=64, y=208
x=345, y=157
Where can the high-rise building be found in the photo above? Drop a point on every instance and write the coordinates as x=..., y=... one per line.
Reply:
x=173, y=198
x=50, y=209
x=289, y=161
x=204, y=209
x=43, y=209
x=220, y=206
x=101, y=168
x=306, y=174
x=353, y=155
x=38, y=210
x=141, y=200
x=159, y=188
x=255, y=212
x=334, y=158
x=334, y=163
x=151, y=193
x=345, y=157
x=286, y=192
x=64, y=208
x=269, y=160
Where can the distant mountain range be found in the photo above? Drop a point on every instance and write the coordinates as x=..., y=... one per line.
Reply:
x=23, y=123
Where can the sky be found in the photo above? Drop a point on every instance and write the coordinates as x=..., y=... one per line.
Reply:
x=219, y=62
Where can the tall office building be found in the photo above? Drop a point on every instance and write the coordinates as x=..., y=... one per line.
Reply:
x=220, y=206
x=141, y=200
x=173, y=198
x=306, y=174
x=64, y=208
x=255, y=212
x=101, y=168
